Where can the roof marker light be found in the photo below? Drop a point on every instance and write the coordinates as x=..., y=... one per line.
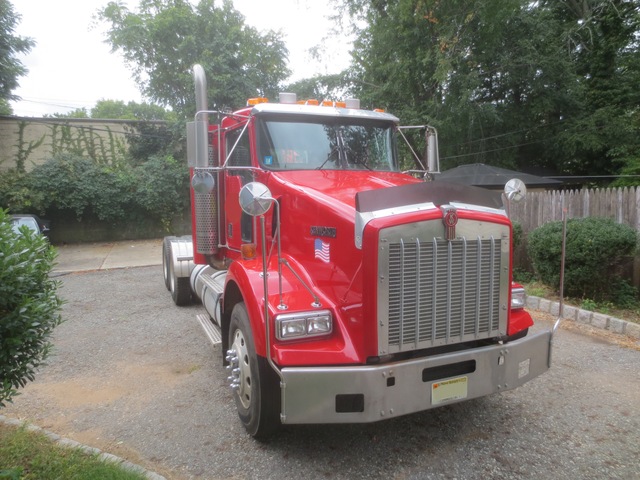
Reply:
x=256, y=101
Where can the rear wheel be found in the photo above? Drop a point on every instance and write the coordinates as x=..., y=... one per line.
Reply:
x=255, y=385
x=180, y=288
x=166, y=259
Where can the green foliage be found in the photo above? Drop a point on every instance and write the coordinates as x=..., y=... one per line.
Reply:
x=31, y=455
x=77, y=113
x=595, y=251
x=69, y=185
x=29, y=305
x=82, y=187
x=523, y=276
x=589, y=305
x=162, y=188
x=146, y=139
x=510, y=83
x=102, y=147
x=24, y=149
x=164, y=38
x=117, y=109
x=518, y=234
x=321, y=87
x=15, y=194
x=11, y=47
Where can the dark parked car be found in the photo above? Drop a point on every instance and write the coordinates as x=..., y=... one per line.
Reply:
x=31, y=221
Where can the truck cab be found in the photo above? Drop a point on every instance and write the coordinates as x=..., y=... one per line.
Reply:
x=342, y=289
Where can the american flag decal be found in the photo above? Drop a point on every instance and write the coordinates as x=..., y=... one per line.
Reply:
x=322, y=251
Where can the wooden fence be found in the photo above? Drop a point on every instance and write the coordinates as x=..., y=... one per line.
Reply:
x=538, y=208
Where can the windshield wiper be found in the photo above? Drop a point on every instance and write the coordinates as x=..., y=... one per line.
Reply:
x=328, y=158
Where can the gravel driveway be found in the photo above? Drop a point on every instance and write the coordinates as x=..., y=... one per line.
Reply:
x=133, y=375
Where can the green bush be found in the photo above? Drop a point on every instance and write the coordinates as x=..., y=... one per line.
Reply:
x=68, y=185
x=518, y=234
x=29, y=305
x=79, y=185
x=162, y=187
x=595, y=251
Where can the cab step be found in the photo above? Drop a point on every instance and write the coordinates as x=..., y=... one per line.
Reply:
x=210, y=329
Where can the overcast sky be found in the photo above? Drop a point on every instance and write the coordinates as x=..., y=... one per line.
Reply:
x=71, y=67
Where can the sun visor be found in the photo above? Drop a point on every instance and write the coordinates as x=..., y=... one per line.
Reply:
x=438, y=193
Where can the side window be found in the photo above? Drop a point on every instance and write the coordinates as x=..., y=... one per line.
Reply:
x=240, y=157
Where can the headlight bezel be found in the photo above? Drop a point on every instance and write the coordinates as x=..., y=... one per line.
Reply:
x=303, y=325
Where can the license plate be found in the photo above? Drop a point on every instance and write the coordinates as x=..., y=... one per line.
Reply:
x=447, y=390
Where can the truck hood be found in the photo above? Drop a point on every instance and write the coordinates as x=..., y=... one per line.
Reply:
x=340, y=186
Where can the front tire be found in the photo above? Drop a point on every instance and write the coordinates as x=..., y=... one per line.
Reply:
x=255, y=385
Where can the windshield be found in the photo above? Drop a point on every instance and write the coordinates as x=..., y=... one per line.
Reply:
x=293, y=144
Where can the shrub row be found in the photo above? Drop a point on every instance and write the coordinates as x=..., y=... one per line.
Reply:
x=71, y=185
x=595, y=253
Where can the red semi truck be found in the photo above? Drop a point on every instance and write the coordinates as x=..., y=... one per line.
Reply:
x=342, y=289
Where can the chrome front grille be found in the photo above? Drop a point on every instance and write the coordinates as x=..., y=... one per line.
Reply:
x=435, y=292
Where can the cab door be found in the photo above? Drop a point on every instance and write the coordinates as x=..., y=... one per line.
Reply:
x=238, y=225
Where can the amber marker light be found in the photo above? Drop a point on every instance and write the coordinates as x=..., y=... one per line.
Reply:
x=256, y=101
x=248, y=251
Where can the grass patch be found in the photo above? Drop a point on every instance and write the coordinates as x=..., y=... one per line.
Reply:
x=26, y=455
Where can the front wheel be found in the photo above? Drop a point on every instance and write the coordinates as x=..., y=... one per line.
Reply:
x=255, y=385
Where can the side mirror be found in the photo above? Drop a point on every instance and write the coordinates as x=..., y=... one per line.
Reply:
x=202, y=182
x=515, y=190
x=255, y=199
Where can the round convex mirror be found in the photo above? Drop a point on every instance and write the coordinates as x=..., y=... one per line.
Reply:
x=515, y=190
x=255, y=199
x=202, y=182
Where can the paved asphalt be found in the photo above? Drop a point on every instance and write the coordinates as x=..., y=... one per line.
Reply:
x=133, y=375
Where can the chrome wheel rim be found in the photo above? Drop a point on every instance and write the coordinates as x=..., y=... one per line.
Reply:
x=242, y=370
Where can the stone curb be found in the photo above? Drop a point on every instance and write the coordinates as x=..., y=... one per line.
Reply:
x=578, y=315
x=67, y=443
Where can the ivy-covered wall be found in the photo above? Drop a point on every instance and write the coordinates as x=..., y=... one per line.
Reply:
x=29, y=141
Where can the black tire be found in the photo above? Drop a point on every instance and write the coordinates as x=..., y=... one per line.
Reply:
x=258, y=394
x=166, y=260
x=180, y=288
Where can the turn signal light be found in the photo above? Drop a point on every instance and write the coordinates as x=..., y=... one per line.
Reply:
x=248, y=251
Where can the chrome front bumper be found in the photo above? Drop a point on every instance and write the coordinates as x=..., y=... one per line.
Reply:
x=362, y=394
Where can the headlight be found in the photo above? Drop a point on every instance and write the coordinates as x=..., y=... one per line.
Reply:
x=518, y=298
x=291, y=326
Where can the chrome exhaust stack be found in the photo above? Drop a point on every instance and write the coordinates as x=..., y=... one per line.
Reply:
x=202, y=159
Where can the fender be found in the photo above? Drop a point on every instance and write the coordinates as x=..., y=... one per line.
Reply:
x=245, y=276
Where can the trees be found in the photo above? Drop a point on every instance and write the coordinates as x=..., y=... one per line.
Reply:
x=10, y=45
x=508, y=82
x=165, y=38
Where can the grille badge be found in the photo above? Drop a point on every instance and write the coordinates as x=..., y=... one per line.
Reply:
x=450, y=220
